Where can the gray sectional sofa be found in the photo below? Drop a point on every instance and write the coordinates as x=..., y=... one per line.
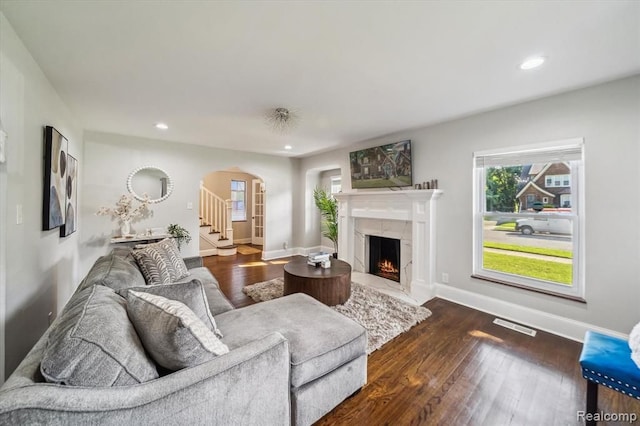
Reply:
x=290, y=361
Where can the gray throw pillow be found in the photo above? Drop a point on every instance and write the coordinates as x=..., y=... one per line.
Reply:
x=160, y=262
x=93, y=343
x=113, y=271
x=172, y=334
x=191, y=293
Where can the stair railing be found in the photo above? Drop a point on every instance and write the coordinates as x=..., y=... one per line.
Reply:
x=216, y=211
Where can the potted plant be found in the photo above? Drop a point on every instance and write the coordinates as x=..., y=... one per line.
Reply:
x=179, y=234
x=328, y=207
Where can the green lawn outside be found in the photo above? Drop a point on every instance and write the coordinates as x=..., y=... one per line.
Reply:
x=534, y=268
x=506, y=227
x=566, y=254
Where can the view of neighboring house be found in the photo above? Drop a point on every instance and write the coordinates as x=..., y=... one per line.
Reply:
x=382, y=162
x=548, y=184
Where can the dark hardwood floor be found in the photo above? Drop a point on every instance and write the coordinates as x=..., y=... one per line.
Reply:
x=455, y=368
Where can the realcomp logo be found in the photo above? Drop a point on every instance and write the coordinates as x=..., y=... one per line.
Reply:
x=601, y=416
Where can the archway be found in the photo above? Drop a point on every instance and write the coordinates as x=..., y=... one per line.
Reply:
x=232, y=210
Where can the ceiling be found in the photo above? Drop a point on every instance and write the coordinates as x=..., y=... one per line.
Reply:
x=350, y=70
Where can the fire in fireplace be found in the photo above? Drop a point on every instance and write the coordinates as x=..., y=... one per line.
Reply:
x=384, y=257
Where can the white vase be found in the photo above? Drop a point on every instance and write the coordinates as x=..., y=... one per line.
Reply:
x=125, y=228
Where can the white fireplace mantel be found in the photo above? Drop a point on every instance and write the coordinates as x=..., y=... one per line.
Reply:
x=415, y=206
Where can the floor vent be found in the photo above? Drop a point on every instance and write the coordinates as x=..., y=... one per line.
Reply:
x=516, y=327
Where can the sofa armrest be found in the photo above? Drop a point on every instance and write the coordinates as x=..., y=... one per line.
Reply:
x=193, y=262
x=248, y=386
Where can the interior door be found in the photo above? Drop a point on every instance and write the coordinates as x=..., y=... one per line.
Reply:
x=257, y=212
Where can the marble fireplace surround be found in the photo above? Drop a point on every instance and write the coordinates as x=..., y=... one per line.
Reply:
x=408, y=215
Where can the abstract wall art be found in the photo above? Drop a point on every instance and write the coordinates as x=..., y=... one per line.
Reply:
x=71, y=205
x=55, y=179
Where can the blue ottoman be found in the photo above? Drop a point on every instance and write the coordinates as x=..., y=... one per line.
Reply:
x=606, y=360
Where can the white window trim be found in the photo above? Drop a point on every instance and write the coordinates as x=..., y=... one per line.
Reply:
x=577, y=290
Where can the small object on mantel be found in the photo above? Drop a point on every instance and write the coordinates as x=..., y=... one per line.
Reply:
x=431, y=184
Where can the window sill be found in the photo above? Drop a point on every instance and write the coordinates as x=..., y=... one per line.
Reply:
x=535, y=290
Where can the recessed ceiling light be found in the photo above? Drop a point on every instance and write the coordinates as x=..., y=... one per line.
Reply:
x=161, y=126
x=288, y=147
x=531, y=63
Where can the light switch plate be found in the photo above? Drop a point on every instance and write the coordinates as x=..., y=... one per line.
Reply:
x=3, y=140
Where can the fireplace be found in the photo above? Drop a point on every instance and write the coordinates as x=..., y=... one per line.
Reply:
x=406, y=215
x=384, y=257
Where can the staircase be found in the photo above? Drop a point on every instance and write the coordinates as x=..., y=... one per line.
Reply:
x=216, y=232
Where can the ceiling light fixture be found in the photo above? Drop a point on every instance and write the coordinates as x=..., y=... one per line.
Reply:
x=533, y=62
x=281, y=119
x=161, y=126
x=288, y=147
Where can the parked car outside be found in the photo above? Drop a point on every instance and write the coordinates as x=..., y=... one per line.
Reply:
x=528, y=226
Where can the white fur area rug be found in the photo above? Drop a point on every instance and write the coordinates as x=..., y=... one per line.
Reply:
x=384, y=317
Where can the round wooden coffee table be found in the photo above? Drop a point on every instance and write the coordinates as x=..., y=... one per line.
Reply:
x=331, y=286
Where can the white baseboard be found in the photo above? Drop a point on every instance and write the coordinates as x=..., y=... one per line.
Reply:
x=555, y=324
x=277, y=254
x=294, y=251
x=208, y=252
x=242, y=241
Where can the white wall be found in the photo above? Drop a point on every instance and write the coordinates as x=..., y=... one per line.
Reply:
x=607, y=116
x=39, y=269
x=110, y=158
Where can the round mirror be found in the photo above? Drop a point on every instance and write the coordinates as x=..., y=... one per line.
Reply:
x=149, y=181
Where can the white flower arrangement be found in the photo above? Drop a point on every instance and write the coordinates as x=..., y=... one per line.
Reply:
x=124, y=210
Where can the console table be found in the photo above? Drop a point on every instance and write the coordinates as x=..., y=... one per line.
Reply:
x=331, y=286
x=139, y=238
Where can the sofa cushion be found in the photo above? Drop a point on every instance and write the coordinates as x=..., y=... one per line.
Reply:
x=114, y=271
x=94, y=344
x=171, y=332
x=160, y=262
x=191, y=293
x=320, y=339
x=218, y=303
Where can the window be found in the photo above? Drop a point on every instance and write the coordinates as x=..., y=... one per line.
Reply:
x=555, y=181
x=238, y=200
x=519, y=242
x=336, y=184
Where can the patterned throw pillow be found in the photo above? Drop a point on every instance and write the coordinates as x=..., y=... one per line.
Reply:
x=93, y=343
x=160, y=262
x=191, y=293
x=170, y=331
